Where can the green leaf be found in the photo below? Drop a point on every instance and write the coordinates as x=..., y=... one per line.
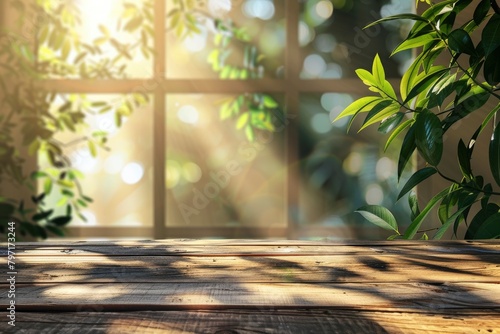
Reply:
x=38, y=175
x=379, y=216
x=415, y=225
x=396, y=132
x=481, y=11
x=492, y=67
x=378, y=71
x=405, y=16
x=413, y=203
x=429, y=137
x=249, y=133
x=490, y=36
x=92, y=148
x=377, y=108
x=42, y=215
x=269, y=102
x=367, y=78
x=424, y=80
x=416, y=42
x=242, y=120
x=55, y=230
x=494, y=155
x=409, y=77
x=464, y=156
x=489, y=229
x=47, y=186
x=480, y=217
x=460, y=41
x=6, y=210
x=415, y=179
x=442, y=230
x=391, y=123
x=407, y=148
x=61, y=220
x=360, y=104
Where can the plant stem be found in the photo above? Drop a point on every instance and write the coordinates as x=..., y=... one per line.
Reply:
x=466, y=186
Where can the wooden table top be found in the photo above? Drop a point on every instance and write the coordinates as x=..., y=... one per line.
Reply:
x=255, y=286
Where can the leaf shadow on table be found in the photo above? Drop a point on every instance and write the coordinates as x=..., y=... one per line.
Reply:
x=250, y=292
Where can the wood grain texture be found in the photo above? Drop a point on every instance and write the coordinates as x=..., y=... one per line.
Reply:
x=239, y=321
x=371, y=268
x=256, y=286
x=226, y=294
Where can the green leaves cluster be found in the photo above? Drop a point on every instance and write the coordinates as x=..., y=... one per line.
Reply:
x=38, y=116
x=432, y=98
x=251, y=111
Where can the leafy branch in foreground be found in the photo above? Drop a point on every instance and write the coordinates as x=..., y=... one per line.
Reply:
x=432, y=98
x=47, y=43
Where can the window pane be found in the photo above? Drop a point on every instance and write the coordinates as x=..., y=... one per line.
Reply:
x=225, y=39
x=96, y=39
x=342, y=171
x=334, y=43
x=216, y=176
x=119, y=180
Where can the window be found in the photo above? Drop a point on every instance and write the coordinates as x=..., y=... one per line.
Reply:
x=176, y=169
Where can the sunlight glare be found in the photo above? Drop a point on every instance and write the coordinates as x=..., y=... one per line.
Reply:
x=132, y=173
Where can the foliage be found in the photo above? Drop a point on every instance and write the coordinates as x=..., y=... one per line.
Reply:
x=432, y=98
x=45, y=45
x=253, y=111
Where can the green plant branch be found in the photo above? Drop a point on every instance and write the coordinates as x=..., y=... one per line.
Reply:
x=465, y=185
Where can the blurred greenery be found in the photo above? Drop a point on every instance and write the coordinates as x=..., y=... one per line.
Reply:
x=46, y=43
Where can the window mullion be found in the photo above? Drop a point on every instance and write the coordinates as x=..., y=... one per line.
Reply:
x=292, y=75
x=159, y=193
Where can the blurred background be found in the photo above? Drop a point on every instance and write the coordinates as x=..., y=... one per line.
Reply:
x=202, y=119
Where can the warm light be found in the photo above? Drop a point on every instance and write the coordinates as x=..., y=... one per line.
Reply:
x=90, y=217
x=196, y=42
x=219, y=7
x=374, y=194
x=192, y=172
x=173, y=174
x=188, y=114
x=114, y=163
x=132, y=173
x=82, y=160
x=95, y=12
x=324, y=9
x=385, y=168
x=353, y=163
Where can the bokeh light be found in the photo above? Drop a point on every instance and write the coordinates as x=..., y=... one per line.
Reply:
x=191, y=172
x=321, y=123
x=132, y=173
x=374, y=194
x=188, y=114
x=324, y=9
x=262, y=9
x=314, y=65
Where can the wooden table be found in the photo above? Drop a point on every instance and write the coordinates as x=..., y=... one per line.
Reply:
x=243, y=286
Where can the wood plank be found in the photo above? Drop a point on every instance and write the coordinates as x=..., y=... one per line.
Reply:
x=321, y=268
x=270, y=242
x=139, y=248
x=167, y=296
x=256, y=321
